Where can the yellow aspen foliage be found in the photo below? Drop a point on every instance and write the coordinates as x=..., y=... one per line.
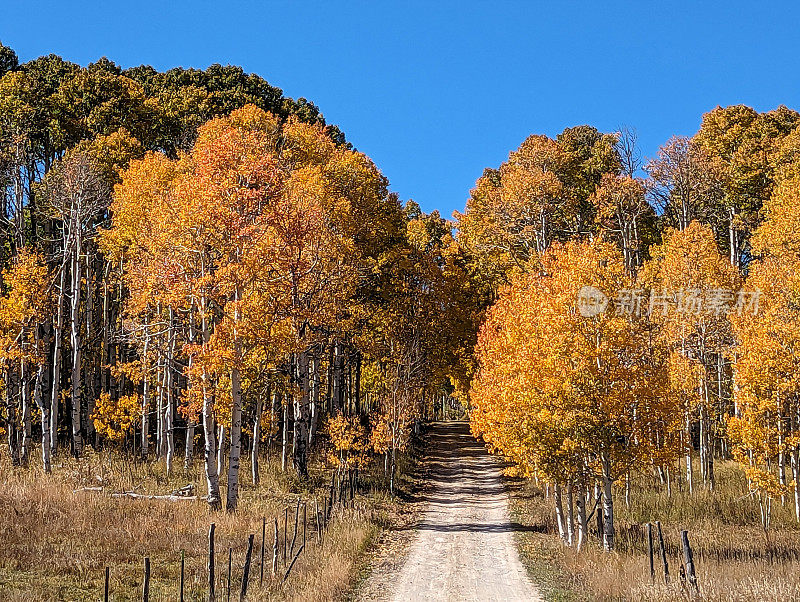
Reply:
x=567, y=396
x=765, y=429
x=350, y=440
x=692, y=289
x=28, y=301
x=570, y=387
x=380, y=438
x=114, y=419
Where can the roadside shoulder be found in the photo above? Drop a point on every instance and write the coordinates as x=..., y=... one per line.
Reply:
x=541, y=553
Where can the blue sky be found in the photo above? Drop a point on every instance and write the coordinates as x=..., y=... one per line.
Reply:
x=436, y=91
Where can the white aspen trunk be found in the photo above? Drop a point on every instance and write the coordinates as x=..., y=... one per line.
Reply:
x=315, y=408
x=570, y=515
x=212, y=476
x=11, y=417
x=55, y=393
x=562, y=532
x=236, y=441
x=105, y=352
x=89, y=319
x=669, y=481
x=598, y=493
x=796, y=476
x=703, y=448
x=336, y=384
x=188, y=450
x=169, y=410
x=689, y=471
x=169, y=439
x=301, y=418
x=221, y=449
x=628, y=490
x=45, y=411
x=254, y=449
x=709, y=436
x=541, y=239
x=285, y=440
x=274, y=416
x=357, y=385
x=188, y=454
x=145, y=397
x=236, y=417
x=765, y=505
x=781, y=454
x=733, y=240
x=27, y=431
x=608, y=506
x=393, y=461
x=583, y=527
x=75, y=338
x=161, y=375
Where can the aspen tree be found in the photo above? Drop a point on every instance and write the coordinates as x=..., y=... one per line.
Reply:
x=565, y=396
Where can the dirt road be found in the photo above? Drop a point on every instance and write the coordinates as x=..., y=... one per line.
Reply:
x=463, y=546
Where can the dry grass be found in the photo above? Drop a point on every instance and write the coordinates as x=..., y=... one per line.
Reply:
x=735, y=560
x=55, y=542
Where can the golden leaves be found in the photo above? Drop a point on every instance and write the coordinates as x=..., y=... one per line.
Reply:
x=555, y=390
x=114, y=419
x=29, y=301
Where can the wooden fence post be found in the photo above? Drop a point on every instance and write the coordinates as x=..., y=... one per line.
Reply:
x=211, y=592
x=688, y=560
x=146, y=587
x=663, y=550
x=289, y=570
x=275, y=550
x=650, y=552
x=319, y=523
x=296, y=520
x=305, y=505
x=183, y=570
x=352, y=486
x=330, y=499
x=285, y=532
x=263, y=538
x=230, y=566
x=246, y=573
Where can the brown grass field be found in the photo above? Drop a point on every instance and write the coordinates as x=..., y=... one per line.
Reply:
x=734, y=558
x=56, y=540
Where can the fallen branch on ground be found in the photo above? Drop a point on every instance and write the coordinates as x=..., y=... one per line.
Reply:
x=169, y=498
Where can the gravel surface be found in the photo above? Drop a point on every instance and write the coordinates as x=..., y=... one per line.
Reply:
x=463, y=546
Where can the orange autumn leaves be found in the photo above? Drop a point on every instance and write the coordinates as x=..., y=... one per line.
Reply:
x=29, y=300
x=240, y=233
x=556, y=391
x=765, y=429
x=268, y=244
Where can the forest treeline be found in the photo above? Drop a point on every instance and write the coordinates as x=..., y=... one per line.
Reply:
x=196, y=266
x=646, y=322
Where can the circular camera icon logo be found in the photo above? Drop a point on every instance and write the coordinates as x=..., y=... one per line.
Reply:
x=591, y=301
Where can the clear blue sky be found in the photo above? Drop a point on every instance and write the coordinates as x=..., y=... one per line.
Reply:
x=436, y=91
